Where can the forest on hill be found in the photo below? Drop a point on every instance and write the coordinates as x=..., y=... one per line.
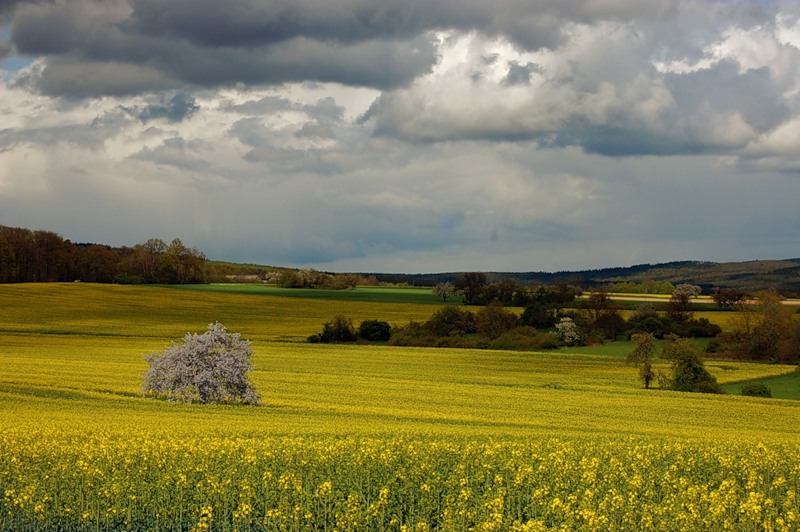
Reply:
x=780, y=275
x=45, y=256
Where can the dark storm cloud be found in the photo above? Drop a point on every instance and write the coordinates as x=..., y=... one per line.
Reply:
x=250, y=132
x=7, y=8
x=315, y=131
x=5, y=49
x=102, y=48
x=325, y=109
x=254, y=22
x=91, y=135
x=178, y=153
x=291, y=161
x=174, y=109
x=210, y=23
x=87, y=79
x=724, y=89
x=129, y=46
x=90, y=72
x=263, y=106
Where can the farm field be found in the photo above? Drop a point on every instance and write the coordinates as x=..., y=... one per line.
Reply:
x=381, y=294
x=364, y=437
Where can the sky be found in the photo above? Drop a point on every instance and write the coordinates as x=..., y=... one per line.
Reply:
x=407, y=135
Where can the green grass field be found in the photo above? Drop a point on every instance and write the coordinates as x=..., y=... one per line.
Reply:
x=377, y=294
x=781, y=386
x=354, y=437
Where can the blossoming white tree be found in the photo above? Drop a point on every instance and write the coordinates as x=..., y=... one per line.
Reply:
x=568, y=331
x=208, y=368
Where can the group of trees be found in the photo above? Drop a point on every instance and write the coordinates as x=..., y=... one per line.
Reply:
x=311, y=278
x=340, y=329
x=43, y=256
x=762, y=329
x=552, y=317
x=687, y=370
x=475, y=289
x=491, y=326
x=592, y=319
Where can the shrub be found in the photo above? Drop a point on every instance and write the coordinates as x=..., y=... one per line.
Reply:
x=525, y=339
x=610, y=323
x=451, y=321
x=568, y=332
x=412, y=334
x=696, y=328
x=756, y=390
x=689, y=374
x=208, y=368
x=538, y=315
x=375, y=330
x=493, y=320
x=339, y=329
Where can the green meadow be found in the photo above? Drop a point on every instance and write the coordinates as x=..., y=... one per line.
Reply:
x=365, y=294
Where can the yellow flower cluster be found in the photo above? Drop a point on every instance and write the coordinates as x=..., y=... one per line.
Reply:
x=55, y=479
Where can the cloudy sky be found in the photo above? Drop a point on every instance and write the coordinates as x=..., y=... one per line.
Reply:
x=407, y=135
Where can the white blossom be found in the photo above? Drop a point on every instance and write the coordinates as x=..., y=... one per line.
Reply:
x=568, y=331
x=208, y=368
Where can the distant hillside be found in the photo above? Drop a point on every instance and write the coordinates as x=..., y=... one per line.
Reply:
x=37, y=256
x=782, y=275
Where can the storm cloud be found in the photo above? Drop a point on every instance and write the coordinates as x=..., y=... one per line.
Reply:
x=407, y=135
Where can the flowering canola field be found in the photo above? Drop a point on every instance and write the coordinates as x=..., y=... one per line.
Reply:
x=124, y=481
x=365, y=437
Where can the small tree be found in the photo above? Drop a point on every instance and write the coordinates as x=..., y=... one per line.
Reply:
x=727, y=298
x=644, y=348
x=568, y=331
x=493, y=320
x=756, y=390
x=208, y=368
x=689, y=374
x=538, y=315
x=375, y=330
x=444, y=290
x=339, y=329
x=472, y=286
x=451, y=321
x=680, y=304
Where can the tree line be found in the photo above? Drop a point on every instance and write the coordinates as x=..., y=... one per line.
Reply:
x=556, y=315
x=28, y=256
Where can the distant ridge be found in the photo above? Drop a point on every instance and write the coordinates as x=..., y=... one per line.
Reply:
x=45, y=256
x=782, y=275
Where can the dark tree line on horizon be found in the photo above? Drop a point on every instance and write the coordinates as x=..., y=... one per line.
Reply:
x=28, y=256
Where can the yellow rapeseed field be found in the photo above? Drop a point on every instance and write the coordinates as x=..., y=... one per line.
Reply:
x=128, y=481
x=364, y=437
